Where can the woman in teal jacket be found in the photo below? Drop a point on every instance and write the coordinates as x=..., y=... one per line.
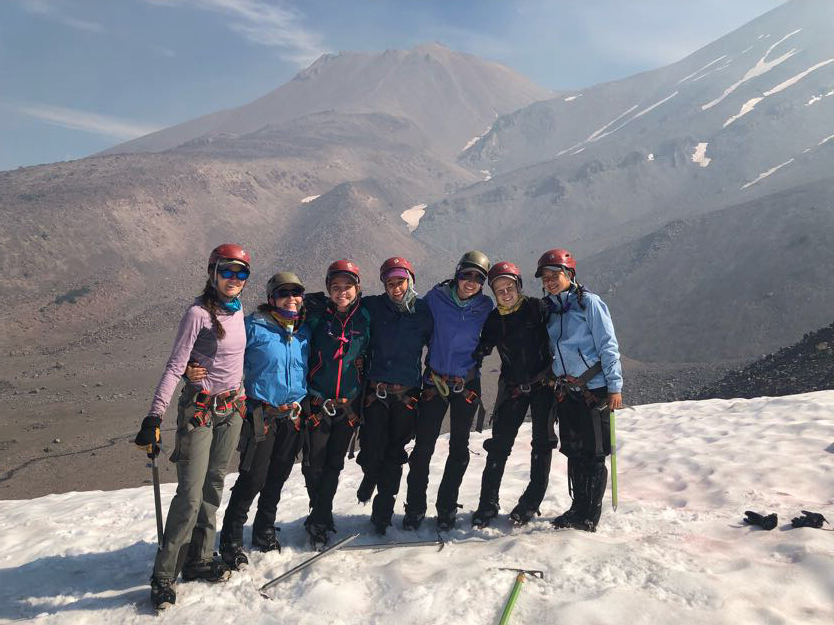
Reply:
x=340, y=333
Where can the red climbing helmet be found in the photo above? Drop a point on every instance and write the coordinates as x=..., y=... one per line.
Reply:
x=396, y=262
x=230, y=252
x=504, y=269
x=343, y=266
x=556, y=257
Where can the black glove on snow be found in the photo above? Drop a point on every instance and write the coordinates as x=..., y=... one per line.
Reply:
x=148, y=437
x=765, y=522
x=809, y=519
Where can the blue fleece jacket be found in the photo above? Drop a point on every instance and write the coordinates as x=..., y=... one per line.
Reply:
x=456, y=332
x=275, y=363
x=397, y=340
x=581, y=338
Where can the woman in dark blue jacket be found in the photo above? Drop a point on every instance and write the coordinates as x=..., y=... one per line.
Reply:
x=451, y=381
x=401, y=326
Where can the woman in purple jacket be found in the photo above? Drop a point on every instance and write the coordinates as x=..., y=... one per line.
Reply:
x=451, y=382
x=211, y=333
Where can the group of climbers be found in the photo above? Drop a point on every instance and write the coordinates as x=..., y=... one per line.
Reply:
x=315, y=366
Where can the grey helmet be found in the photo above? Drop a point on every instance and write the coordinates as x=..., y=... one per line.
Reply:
x=473, y=260
x=280, y=279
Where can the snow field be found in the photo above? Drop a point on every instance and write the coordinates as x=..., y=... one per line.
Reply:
x=674, y=551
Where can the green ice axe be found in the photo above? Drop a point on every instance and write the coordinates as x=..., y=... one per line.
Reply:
x=519, y=580
x=613, y=462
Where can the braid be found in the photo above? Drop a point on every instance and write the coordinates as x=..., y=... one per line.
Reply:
x=580, y=290
x=211, y=303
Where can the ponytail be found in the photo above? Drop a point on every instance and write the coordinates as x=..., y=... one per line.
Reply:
x=211, y=303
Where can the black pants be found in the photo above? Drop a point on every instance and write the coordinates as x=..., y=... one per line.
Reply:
x=324, y=450
x=586, y=440
x=508, y=418
x=271, y=465
x=429, y=421
x=387, y=428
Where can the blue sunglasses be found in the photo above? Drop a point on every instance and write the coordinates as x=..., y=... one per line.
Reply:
x=227, y=274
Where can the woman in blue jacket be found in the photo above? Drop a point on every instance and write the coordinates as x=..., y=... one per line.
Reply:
x=451, y=382
x=401, y=326
x=589, y=383
x=275, y=370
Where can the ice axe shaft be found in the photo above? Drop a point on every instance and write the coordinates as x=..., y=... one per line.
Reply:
x=157, y=500
x=519, y=581
x=613, y=461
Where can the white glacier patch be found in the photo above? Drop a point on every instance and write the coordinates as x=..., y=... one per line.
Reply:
x=700, y=155
x=764, y=175
x=309, y=198
x=412, y=216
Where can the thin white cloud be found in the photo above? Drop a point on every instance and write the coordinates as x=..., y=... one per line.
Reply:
x=103, y=125
x=265, y=23
x=51, y=9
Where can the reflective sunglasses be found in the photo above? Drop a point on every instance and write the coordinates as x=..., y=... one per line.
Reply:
x=227, y=274
x=296, y=292
x=472, y=276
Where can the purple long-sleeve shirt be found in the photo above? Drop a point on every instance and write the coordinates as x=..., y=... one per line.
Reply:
x=197, y=341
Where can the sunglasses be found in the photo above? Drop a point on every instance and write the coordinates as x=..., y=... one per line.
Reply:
x=228, y=274
x=472, y=276
x=279, y=293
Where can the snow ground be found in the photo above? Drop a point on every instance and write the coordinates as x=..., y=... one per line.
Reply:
x=675, y=551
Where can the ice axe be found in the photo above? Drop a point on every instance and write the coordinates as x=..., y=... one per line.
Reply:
x=157, y=500
x=613, y=461
x=519, y=580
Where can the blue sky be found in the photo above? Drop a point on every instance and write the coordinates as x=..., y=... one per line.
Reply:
x=78, y=76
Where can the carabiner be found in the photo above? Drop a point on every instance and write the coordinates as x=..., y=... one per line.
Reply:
x=331, y=410
x=381, y=390
x=459, y=386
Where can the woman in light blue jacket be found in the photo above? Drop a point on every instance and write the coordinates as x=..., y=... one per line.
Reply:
x=589, y=383
x=275, y=378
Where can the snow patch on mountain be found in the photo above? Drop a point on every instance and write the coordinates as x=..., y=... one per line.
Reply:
x=750, y=104
x=487, y=174
x=477, y=138
x=309, y=198
x=411, y=216
x=762, y=66
x=698, y=71
x=700, y=155
x=571, y=98
x=650, y=157
x=764, y=175
x=826, y=140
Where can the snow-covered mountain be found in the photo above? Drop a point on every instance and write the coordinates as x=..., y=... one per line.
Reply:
x=675, y=550
x=449, y=95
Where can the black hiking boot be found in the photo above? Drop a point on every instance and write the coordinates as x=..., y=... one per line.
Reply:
x=365, y=490
x=447, y=519
x=233, y=555
x=522, y=514
x=319, y=534
x=210, y=570
x=265, y=539
x=413, y=519
x=163, y=594
x=380, y=525
x=484, y=515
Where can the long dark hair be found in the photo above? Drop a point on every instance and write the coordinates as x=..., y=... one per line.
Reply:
x=211, y=302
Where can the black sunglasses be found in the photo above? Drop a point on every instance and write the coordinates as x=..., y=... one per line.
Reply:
x=297, y=292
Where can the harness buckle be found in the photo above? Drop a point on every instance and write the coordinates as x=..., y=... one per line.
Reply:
x=525, y=389
x=381, y=390
x=471, y=396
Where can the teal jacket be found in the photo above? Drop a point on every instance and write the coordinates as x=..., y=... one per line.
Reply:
x=338, y=339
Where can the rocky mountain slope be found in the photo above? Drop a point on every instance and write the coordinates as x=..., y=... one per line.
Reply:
x=806, y=366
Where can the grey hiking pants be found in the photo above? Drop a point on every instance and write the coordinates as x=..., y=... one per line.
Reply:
x=202, y=455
